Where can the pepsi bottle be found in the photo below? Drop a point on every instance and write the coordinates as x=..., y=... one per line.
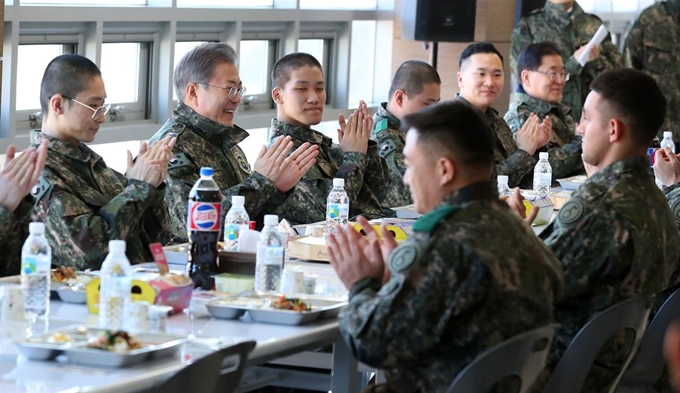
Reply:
x=203, y=226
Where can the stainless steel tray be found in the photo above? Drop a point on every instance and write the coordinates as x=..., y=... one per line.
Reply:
x=38, y=347
x=75, y=294
x=223, y=310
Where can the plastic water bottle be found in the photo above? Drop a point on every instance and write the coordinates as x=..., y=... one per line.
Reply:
x=667, y=141
x=36, y=262
x=204, y=216
x=269, y=259
x=115, y=287
x=542, y=176
x=337, y=206
x=236, y=220
x=503, y=188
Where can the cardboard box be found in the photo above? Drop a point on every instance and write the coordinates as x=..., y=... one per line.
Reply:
x=408, y=211
x=308, y=247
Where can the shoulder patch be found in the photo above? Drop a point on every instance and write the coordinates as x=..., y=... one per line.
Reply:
x=242, y=162
x=571, y=212
x=429, y=221
x=386, y=147
x=404, y=257
x=675, y=208
x=383, y=124
x=41, y=188
x=179, y=160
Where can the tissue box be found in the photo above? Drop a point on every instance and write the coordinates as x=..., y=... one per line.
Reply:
x=308, y=247
x=408, y=211
x=400, y=228
x=157, y=291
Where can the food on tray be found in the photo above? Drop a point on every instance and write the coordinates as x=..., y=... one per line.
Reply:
x=177, y=279
x=290, y=303
x=63, y=273
x=118, y=342
x=59, y=338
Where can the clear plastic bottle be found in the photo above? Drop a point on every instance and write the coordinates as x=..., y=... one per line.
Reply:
x=667, y=141
x=337, y=206
x=503, y=188
x=115, y=287
x=36, y=262
x=269, y=259
x=235, y=221
x=542, y=176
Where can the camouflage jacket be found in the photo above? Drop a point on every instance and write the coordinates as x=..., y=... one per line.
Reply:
x=391, y=141
x=366, y=177
x=653, y=45
x=13, y=233
x=616, y=239
x=569, y=31
x=202, y=142
x=564, y=147
x=672, y=194
x=454, y=291
x=84, y=204
x=507, y=158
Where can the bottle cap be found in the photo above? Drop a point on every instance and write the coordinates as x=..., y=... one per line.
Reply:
x=206, y=171
x=668, y=134
x=338, y=182
x=36, y=228
x=252, y=225
x=543, y=156
x=271, y=220
x=117, y=246
x=238, y=200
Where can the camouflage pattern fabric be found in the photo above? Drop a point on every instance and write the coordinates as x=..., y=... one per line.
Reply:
x=366, y=177
x=616, y=238
x=507, y=158
x=564, y=148
x=454, y=291
x=672, y=194
x=13, y=233
x=84, y=204
x=569, y=31
x=202, y=142
x=653, y=45
x=391, y=140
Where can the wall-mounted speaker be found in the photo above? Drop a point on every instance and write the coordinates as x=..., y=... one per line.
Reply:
x=439, y=20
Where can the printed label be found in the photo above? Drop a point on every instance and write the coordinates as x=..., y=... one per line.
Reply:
x=231, y=232
x=32, y=264
x=270, y=255
x=545, y=178
x=116, y=286
x=203, y=216
x=337, y=210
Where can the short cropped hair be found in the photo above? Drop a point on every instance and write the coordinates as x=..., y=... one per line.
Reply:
x=289, y=63
x=455, y=130
x=198, y=65
x=476, y=48
x=67, y=75
x=531, y=57
x=412, y=76
x=635, y=98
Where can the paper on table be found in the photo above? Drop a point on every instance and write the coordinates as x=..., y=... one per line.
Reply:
x=247, y=240
x=597, y=39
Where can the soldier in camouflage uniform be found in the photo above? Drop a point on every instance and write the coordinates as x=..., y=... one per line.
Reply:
x=542, y=78
x=480, y=80
x=300, y=96
x=415, y=85
x=83, y=203
x=207, y=137
x=564, y=23
x=653, y=45
x=17, y=178
x=616, y=236
x=456, y=285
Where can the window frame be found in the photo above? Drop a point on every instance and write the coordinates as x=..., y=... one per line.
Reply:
x=261, y=102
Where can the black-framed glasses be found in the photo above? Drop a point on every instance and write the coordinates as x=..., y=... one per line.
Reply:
x=554, y=76
x=233, y=90
x=98, y=111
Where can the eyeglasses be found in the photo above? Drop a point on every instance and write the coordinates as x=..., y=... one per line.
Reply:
x=554, y=76
x=233, y=90
x=98, y=111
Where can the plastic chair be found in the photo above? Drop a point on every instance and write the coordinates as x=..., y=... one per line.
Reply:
x=572, y=369
x=649, y=363
x=206, y=374
x=522, y=356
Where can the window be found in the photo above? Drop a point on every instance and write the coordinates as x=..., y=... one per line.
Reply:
x=315, y=48
x=253, y=144
x=181, y=49
x=254, y=67
x=226, y=3
x=362, y=61
x=340, y=4
x=607, y=6
x=31, y=63
x=86, y=2
x=126, y=80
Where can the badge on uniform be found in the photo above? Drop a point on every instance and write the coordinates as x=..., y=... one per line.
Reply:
x=403, y=257
x=243, y=163
x=571, y=212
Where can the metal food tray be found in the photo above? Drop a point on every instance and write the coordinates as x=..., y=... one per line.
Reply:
x=37, y=348
x=572, y=183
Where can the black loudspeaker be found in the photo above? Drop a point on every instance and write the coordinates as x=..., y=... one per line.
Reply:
x=439, y=20
x=524, y=7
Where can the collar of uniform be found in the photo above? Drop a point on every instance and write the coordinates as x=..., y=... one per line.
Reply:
x=383, y=113
x=674, y=5
x=81, y=153
x=557, y=14
x=304, y=134
x=541, y=107
x=490, y=115
x=610, y=173
x=210, y=130
x=453, y=202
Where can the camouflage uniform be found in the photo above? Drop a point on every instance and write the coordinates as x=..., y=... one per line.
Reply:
x=507, y=158
x=454, y=291
x=564, y=147
x=391, y=140
x=202, y=142
x=616, y=239
x=569, y=31
x=84, y=204
x=653, y=45
x=13, y=233
x=366, y=177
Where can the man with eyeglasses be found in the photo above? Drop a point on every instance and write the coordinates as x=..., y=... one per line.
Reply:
x=84, y=203
x=209, y=90
x=542, y=78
